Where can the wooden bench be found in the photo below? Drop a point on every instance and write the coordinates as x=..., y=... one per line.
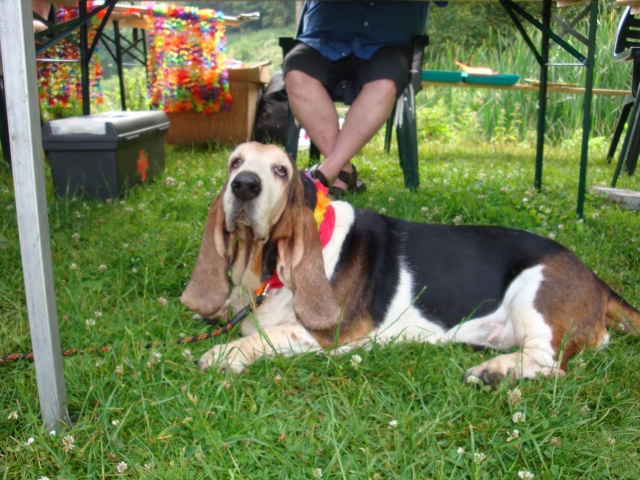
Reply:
x=525, y=87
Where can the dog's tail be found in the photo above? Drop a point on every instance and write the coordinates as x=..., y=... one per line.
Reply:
x=622, y=315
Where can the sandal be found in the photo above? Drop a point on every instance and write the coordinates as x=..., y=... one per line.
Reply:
x=354, y=184
x=316, y=174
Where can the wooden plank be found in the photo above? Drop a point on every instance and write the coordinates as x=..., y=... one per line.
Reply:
x=522, y=87
x=18, y=57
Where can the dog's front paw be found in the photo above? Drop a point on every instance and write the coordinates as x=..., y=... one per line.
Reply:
x=224, y=358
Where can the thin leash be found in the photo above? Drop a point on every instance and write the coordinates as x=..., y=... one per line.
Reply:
x=261, y=294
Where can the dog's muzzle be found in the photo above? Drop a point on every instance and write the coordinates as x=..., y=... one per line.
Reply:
x=246, y=186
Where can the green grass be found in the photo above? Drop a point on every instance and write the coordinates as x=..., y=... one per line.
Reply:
x=287, y=418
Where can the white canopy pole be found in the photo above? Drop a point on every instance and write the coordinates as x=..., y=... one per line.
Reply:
x=19, y=66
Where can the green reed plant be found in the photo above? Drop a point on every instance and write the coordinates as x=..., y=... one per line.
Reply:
x=500, y=111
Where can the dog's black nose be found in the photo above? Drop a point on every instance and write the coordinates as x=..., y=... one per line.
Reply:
x=246, y=186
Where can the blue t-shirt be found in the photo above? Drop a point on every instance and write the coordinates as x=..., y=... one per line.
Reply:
x=338, y=29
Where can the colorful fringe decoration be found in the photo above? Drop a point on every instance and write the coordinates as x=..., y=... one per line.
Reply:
x=59, y=83
x=186, y=58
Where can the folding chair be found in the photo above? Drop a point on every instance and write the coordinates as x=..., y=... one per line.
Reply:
x=627, y=48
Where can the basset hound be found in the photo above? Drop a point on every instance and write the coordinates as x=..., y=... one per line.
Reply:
x=381, y=279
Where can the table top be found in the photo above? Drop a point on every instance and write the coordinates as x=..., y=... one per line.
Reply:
x=135, y=16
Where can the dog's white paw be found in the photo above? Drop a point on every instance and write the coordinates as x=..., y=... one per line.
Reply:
x=224, y=358
x=510, y=367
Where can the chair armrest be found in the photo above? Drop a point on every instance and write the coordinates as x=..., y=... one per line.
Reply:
x=286, y=44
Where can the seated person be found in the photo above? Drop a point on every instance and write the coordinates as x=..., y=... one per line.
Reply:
x=369, y=43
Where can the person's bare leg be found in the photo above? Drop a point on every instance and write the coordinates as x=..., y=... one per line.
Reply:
x=312, y=106
x=367, y=114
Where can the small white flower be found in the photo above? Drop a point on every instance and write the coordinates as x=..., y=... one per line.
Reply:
x=29, y=441
x=473, y=380
x=479, y=457
x=155, y=359
x=391, y=199
x=115, y=423
x=356, y=360
x=13, y=415
x=555, y=442
x=200, y=184
x=52, y=433
x=73, y=266
x=525, y=475
x=119, y=369
x=125, y=246
x=457, y=219
x=43, y=478
x=383, y=210
x=393, y=424
x=68, y=443
x=77, y=214
x=317, y=472
x=515, y=434
x=277, y=379
x=186, y=353
x=611, y=441
x=460, y=451
x=76, y=237
x=552, y=236
x=97, y=314
x=90, y=322
x=141, y=206
x=134, y=270
x=515, y=396
x=519, y=417
x=162, y=301
x=585, y=409
x=121, y=467
x=102, y=268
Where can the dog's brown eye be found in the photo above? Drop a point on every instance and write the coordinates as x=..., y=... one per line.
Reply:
x=235, y=163
x=280, y=171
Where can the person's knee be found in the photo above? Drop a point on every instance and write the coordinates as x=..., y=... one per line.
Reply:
x=296, y=80
x=383, y=88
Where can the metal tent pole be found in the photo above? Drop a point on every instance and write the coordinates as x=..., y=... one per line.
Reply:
x=18, y=58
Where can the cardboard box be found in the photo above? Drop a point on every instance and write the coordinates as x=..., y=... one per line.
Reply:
x=227, y=127
x=103, y=155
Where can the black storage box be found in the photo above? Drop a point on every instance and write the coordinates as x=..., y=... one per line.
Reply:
x=101, y=156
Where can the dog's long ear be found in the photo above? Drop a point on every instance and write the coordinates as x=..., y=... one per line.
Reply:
x=208, y=287
x=300, y=264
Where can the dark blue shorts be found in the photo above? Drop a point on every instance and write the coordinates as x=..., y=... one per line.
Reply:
x=392, y=62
